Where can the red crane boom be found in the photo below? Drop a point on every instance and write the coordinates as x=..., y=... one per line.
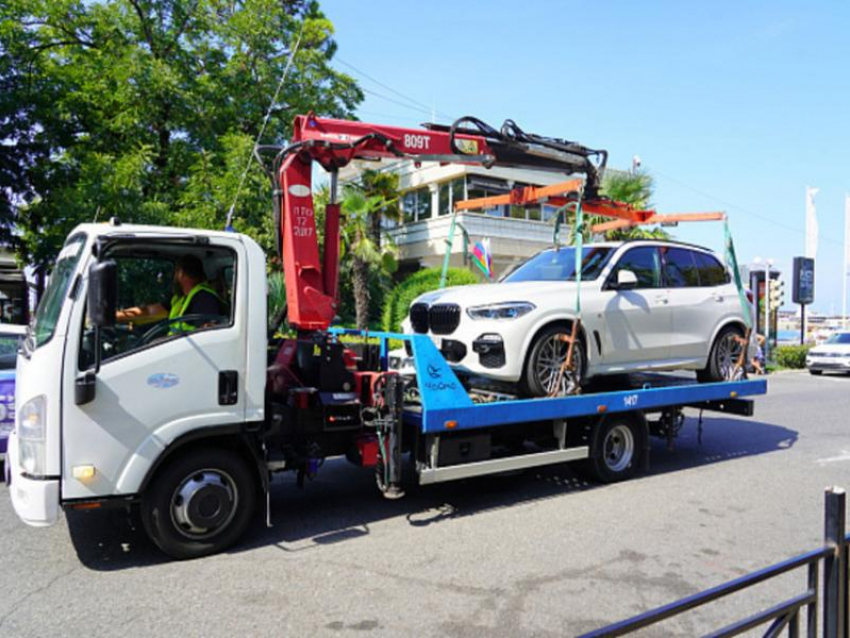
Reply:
x=311, y=283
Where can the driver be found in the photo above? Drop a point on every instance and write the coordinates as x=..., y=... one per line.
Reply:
x=192, y=296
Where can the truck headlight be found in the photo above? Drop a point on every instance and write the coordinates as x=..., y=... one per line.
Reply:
x=31, y=426
x=507, y=310
x=31, y=419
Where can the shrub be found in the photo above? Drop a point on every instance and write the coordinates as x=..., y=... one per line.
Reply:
x=791, y=356
x=397, y=302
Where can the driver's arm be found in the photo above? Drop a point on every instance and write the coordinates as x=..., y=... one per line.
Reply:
x=150, y=312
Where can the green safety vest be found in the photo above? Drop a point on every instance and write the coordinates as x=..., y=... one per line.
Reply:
x=179, y=304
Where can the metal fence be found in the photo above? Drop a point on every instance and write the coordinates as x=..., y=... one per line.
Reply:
x=827, y=594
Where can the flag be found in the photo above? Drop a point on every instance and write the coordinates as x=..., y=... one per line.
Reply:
x=811, y=223
x=482, y=257
x=732, y=265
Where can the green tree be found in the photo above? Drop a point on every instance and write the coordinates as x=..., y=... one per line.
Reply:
x=148, y=109
x=365, y=255
x=634, y=189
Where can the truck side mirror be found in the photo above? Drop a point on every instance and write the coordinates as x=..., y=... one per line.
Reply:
x=103, y=293
x=626, y=280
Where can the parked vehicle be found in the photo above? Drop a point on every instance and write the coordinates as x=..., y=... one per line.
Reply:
x=10, y=339
x=646, y=305
x=833, y=355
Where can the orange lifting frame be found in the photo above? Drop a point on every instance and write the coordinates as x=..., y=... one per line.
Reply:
x=624, y=215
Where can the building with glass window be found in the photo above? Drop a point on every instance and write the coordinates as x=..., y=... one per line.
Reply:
x=429, y=194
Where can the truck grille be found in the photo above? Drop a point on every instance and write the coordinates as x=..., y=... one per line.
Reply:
x=444, y=318
x=419, y=317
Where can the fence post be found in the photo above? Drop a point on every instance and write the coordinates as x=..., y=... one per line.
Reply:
x=834, y=572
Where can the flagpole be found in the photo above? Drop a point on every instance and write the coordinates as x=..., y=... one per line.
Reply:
x=846, y=257
x=811, y=237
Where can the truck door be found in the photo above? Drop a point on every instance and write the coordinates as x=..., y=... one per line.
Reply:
x=160, y=377
x=638, y=321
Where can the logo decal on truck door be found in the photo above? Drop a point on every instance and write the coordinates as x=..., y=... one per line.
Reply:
x=163, y=380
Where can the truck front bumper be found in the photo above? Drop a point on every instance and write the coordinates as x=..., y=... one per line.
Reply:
x=36, y=501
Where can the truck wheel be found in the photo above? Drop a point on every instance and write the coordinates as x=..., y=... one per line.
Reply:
x=724, y=354
x=199, y=504
x=616, y=450
x=542, y=376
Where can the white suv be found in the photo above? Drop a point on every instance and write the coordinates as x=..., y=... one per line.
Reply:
x=646, y=305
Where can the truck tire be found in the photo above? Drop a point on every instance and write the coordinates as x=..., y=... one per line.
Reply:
x=616, y=450
x=544, y=358
x=200, y=503
x=724, y=353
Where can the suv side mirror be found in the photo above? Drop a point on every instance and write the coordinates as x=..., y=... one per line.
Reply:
x=626, y=280
x=103, y=293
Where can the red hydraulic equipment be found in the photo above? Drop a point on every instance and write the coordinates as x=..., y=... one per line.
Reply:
x=311, y=282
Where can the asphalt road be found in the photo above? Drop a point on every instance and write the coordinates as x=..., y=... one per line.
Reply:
x=539, y=554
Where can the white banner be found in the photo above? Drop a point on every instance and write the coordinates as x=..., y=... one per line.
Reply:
x=811, y=223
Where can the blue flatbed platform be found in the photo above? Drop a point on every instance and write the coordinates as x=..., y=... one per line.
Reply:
x=447, y=406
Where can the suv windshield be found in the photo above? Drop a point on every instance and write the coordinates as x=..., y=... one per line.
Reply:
x=559, y=265
x=51, y=303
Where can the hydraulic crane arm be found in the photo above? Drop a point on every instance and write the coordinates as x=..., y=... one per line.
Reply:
x=311, y=283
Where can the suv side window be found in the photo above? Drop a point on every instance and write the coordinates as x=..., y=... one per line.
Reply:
x=711, y=271
x=644, y=262
x=680, y=268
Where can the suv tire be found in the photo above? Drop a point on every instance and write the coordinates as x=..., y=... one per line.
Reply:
x=544, y=359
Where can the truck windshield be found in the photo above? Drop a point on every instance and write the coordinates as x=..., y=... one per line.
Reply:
x=559, y=265
x=50, y=305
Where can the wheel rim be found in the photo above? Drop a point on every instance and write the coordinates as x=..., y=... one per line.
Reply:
x=547, y=366
x=204, y=503
x=728, y=353
x=618, y=448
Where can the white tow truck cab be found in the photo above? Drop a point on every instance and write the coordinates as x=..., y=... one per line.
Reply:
x=90, y=431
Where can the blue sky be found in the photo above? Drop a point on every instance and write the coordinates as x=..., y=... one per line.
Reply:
x=734, y=106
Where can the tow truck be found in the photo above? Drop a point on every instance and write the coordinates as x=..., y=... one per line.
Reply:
x=187, y=426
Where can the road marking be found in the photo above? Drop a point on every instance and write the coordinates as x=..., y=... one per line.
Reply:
x=844, y=456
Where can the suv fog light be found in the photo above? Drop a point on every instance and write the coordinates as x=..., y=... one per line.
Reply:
x=490, y=349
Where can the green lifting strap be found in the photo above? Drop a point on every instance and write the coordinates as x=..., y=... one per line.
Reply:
x=579, y=248
x=732, y=264
x=449, y=243
x=560, y=218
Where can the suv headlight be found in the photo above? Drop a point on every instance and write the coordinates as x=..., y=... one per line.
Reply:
x=507, y=310
x=32, y=418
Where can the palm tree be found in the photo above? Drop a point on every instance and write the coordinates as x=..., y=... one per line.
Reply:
x=634, y=189
x=367, y=254
x=383, y=184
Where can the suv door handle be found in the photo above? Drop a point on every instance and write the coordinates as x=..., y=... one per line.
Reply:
x=662, y=298
x=718, y=298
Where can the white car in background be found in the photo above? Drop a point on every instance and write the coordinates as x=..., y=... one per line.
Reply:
x=646, y=306
x=833, y=355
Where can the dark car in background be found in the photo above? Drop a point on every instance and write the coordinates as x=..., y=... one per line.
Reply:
x=10, y=339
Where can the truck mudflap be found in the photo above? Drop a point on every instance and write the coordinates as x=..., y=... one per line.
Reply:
x=36, y=501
